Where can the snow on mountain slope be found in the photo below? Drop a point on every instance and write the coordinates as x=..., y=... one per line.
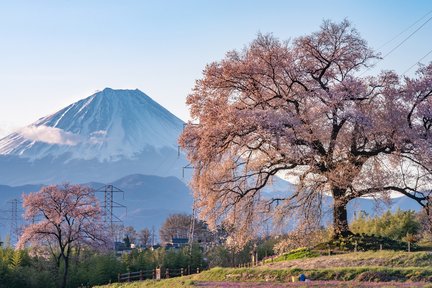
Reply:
x=108, y=126
x=110, y=134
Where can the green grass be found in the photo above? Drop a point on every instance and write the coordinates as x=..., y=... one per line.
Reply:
x=385, y=258
x=299, y=253
x=364, y=242
x=367, y=274
x=382, y=266
x=342, y=274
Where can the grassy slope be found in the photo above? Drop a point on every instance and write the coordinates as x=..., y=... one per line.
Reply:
x=362, y=266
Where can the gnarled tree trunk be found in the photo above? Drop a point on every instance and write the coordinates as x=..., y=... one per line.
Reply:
x=340, y=215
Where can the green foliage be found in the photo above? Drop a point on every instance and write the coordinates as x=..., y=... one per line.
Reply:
x=223, y=256
x=395, y=226
x=16, y=259
x=127, y=241
x=183, y=258
x=364, y=242
x=176, y=259
x=16, y=263
x=284, y=275
x=266, y=247
x=197, y=258
x=143, y=260
x=299, y=253
x=220, y=256
x=95, y=269
x=90, y=268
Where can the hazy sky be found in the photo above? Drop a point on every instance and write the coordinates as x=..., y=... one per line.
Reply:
x=53, y=53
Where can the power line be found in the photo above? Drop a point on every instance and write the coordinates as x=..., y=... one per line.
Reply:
x=403, y=41
x=408, y=37
x=418, y=62
x=405, y=30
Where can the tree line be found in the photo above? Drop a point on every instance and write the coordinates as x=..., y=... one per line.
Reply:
x=95, y=267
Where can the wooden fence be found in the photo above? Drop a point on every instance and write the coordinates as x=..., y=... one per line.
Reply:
x=156, y=274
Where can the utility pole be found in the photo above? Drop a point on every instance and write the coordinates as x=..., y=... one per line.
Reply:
x=192, y=227
x=192, y=223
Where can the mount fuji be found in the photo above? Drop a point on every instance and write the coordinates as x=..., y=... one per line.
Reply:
x=108, y=135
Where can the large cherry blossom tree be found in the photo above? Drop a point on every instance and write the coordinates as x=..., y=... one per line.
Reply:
x=65, y=218
x=303, y=109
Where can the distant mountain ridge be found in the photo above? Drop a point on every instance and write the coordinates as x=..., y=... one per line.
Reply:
x=149, y=200
x=110, y=134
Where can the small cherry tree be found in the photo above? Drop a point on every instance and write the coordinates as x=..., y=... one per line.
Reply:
x=304, y=110
x=70, y=218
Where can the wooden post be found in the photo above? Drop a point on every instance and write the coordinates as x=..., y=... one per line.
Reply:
x=141, y=275
x=154, y=274
x=409, y=246
x=181, y=271
x=198, y=270
x=118, y=277
x=167, y=273
x=129, y=277
x=158, y=273
x=380, y=247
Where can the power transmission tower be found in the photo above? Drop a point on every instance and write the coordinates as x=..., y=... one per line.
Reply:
x=14, y=231
x=109, y=204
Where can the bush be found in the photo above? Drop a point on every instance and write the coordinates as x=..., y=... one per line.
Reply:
x=395, y=226
x=364, y=242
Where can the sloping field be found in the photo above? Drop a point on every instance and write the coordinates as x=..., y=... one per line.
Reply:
x=362, y=269
x=360, y=259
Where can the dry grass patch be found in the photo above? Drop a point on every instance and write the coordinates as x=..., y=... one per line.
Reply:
x=360, y=259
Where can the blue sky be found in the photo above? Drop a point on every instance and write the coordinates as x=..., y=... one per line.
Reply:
x=53, y=53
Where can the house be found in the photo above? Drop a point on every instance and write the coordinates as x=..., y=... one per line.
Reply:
x=177, y=243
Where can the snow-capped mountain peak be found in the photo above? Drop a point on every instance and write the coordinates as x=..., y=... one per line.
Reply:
x=108, y=125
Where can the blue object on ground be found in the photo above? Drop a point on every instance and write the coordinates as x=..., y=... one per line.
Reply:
x=302, y=278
